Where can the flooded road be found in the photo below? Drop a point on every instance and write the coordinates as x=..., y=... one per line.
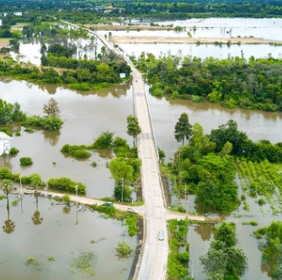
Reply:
x=52, y=231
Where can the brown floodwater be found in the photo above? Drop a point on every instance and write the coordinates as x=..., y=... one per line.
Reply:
x=85, y=117
x=50, y=230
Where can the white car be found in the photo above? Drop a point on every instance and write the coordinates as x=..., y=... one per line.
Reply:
x=132, y=210
x=161, y=235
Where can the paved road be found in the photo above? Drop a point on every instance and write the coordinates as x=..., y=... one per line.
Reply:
x=152, y=264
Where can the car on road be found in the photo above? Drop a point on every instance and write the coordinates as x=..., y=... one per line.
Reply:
x=132, y=210
x=108, y=203
x=161, y=235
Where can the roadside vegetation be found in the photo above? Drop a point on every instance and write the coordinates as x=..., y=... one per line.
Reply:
x=233, y=82
x=178, y=258
x=128, y=219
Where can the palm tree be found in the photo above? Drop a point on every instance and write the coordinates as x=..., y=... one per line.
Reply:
x=7, y=187
x=35, y=182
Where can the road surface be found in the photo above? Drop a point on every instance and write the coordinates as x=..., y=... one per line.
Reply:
x=152, y=264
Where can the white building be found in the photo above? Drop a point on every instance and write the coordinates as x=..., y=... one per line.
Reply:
x=5, y=143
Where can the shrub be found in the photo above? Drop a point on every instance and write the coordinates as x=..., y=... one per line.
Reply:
x=104, y=141
x=25, y=161
x=123, y=249
x=14, y=151
x=93, y=164
x=66, y=185
x=76, y=151
x=48, y=123
x=261, y=201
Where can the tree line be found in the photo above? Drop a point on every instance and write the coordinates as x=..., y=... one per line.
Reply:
x=249, y=84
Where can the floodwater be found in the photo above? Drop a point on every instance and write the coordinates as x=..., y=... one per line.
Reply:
x=165, y=113
x=30, y=49
x=203, y=51
x=84, y=116
x=214, y=28
x=53, y=231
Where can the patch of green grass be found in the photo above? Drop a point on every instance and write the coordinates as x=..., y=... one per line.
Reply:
x=84, y=262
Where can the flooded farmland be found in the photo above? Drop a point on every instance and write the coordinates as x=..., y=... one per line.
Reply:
x=48, y=230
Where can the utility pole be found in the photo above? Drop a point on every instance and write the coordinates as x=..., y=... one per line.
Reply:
x=122, y=182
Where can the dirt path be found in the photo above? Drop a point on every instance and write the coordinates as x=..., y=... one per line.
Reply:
x=188, y=40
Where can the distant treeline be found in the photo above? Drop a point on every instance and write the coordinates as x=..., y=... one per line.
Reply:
x=96, y=11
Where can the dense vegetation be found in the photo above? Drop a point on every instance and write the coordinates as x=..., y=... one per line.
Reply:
x=5, y=173
x=75, y=151
x=224, y=260
x=66, y=185
x=254, y=84
x=271, y=248
x=178, y=260
x=206, y=166
x=99, y=11
x=10, y=112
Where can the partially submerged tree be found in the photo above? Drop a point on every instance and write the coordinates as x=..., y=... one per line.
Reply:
x=51, y=108
x=133, y=128
x=7, y=187
x=183, y=129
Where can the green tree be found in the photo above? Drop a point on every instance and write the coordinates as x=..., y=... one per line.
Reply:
x=182, y=129
x=51, y=108
x=35, y=180
x=133, y=128
x=121, y=170
x=227, y=149
x=7, y=187
x=122, y=193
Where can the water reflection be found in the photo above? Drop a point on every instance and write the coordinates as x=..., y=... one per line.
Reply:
x=52, y=137
x=205, y=231
x=36, y=219
x=9, y=225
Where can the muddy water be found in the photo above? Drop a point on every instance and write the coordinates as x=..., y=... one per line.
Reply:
x=64, y=235
x=85, y=117
x=257, y=124
x=211, y=27
x=203, y=51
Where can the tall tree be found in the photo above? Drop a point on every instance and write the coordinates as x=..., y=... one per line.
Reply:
x=183, y=129
x=7, y=187
x=52, y=108
x=133, y=128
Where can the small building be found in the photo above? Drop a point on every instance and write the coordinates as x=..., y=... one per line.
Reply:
x=5, y=143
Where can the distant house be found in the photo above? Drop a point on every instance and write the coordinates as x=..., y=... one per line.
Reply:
x=5, y=143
